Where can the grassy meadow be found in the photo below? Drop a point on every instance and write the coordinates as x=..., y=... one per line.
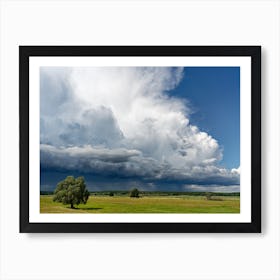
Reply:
x=100, y=203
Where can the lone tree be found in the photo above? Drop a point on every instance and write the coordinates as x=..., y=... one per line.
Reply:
x=134, y=193
x=71, y=191
x=208, y=196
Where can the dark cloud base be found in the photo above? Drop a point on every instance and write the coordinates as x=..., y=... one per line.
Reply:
x=50, y=178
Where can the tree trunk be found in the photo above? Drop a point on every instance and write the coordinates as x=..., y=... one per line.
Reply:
x=72, y=206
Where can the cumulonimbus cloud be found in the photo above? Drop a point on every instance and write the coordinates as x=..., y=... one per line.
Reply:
x=121, y=121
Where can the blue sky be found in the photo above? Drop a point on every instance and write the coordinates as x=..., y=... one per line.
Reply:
x=214, y=94
x=156, y=128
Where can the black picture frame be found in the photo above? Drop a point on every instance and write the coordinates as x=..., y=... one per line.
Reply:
x=254, y=52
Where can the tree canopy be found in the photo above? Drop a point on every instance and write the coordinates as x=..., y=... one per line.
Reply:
x=134, y=193
x=71, y=191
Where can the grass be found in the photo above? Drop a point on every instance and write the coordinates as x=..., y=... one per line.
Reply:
x=148, y=204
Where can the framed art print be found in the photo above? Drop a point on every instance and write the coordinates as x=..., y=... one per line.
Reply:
x=140, y=138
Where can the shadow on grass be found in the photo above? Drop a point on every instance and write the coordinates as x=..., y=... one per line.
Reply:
x=85, y=208
x=90, y=208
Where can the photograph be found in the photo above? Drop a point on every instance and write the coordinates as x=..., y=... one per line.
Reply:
x=142, y=134
x=140, y=140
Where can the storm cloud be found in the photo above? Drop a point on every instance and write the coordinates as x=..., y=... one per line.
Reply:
x=122, y=122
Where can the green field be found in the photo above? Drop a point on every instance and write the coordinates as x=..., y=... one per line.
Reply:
x=146, y=204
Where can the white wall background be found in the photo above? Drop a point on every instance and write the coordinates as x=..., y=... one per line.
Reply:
x=139, y=256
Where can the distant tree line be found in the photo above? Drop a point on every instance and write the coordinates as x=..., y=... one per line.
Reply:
x=152, y=193
x=161, y=193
